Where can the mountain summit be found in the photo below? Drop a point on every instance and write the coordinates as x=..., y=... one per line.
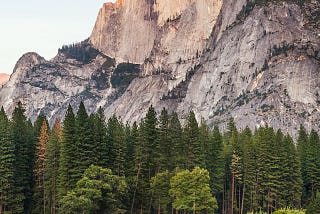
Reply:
x=256, y=61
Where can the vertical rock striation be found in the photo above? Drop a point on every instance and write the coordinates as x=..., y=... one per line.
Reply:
x=257, y=62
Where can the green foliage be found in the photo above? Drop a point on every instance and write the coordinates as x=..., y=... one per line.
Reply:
x=38, y=123
x=41, y=153
x=82, y=52
x=191, y=191
x=165, y=151
x=160, y=185
x=116, y=145
x=123, y=75
x=192, y=142
x=24, y=144
x=246, y=172
x=51, y=171
x=302, y=146
x=311, y=169
x=214, y=161
x=146, y=159
x=314, y=205
x=7, y=158
x=86, y=146
x=178, y=148
x=289, y=211
x=99, y=130
x=97, y=191
x=68, y=157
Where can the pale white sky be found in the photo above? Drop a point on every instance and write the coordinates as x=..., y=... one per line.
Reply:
x=43, y=26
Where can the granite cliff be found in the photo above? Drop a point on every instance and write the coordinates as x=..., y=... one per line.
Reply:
x=257, y=61
x=4, y=78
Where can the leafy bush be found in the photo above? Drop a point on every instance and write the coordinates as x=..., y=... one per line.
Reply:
x=289, y=211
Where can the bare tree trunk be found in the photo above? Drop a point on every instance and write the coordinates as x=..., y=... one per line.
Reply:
x=251, y=201
x=232, y=194
x=44, y=196
x=1, y=207
x=223, y=210
x=268, y=209
x=239, y=198
x=242, y=202
x=159, y=207
x=135, y=190
x=150, y=203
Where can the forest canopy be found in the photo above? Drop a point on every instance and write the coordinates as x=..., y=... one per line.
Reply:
x=93, y=165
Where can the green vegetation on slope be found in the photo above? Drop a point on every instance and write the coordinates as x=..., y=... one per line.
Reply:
x=91, y=165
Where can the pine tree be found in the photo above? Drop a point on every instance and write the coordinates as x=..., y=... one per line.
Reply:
x=176, y=136
x=312, y=164
x=51, y=171
x=302, y=145
x=268, y=169
x=160, y=185
x=23, y=139
x=204, y=139
x=314, y=205
x=214, y=161
x=100, y=137
x=68, y=156
x=131, y=138
x=291, y=184
x=250, y=172
x=150, y=133
x=131, y=141
x=41, y=153
x=7, y=158
x=234, y=164
x=38, y=124
x=117, y=146
x=191, y=137
x=165, y=154
x=302, y=142
x=141, y=185
x=85, y=143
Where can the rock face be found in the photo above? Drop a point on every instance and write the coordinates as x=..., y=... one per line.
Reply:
x=48, y=87
x=257, y=62
x=264, y=69
x=4, y=78
x=159, y=33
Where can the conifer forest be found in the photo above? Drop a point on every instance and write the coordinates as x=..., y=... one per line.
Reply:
x=86, y=164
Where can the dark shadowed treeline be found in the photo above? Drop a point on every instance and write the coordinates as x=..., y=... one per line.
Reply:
x=90, y=165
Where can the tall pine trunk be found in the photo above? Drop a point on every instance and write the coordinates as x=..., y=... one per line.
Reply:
x=44, y=196
x=242, y=200
x=268, y=209
x=159, y=207
x=232, y=194
x=135, y=190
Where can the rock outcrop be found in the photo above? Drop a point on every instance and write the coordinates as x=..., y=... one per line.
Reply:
x=158, y=33
x=4, y=78
x=262, y=70
x=257, y=62
x=260, y=66
x=48, y=87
